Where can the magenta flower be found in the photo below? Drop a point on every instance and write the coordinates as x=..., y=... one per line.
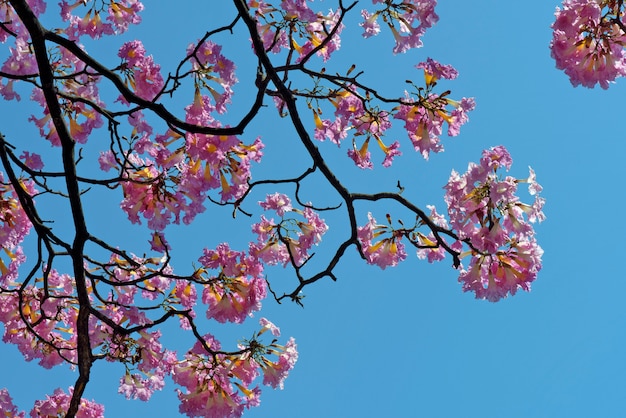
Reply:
x=210, y=65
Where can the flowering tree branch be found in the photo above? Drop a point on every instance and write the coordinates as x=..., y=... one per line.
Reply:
x=83, y=299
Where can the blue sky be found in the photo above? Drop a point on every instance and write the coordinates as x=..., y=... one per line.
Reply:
x=407, y=342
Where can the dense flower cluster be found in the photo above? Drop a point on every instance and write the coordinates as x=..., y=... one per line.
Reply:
x=140, y=71
x=486, y=213
x=218, y=385
x=119, y=15
x=424, y=116
x=321, y=32
x=383, y=252
x=54, y=405
x=209, y=65
x=352, y=115
x=170, y=185
x=238, y=287
x=408, y=20
x=291, y=239
x=588, y=42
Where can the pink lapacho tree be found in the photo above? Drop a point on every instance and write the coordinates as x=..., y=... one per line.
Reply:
x=76, y=298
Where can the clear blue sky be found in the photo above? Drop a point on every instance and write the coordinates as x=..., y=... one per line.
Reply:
x=406, y=342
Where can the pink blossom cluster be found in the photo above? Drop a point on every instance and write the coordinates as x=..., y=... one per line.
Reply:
x=11, y=23
x=216, y=162
x=7, y=406
x=208, y=64
x=119, y=15
x=486, y=213
x=408, y=20
x=140, y=71
x=21, y=62
x=53, y=406
x=291, y=239
x=82, y=118
x=147, y=363
x=146, y=191
x=587, y=42
x=57, y=405
x=218, y=385
x=424, y=116
x=39, y=322
x=236, y=289
x=351, y=115
x=152, y=363
x=14, y=226
x=429, y=246
x=297, y=18
x=381, y=244
x=14, y=223
x=172, y=184
x=73, y=79
x=231, y=295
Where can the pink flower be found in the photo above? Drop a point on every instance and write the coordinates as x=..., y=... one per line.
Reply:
x=144, y=75
x=32, y=161
x=494, y=277
x=291, y=238
x=278, y=202
x=318, y=32
x=209, y=391
x=237, y=289
x=434, y=71
x=370, y=24
x=587, y=44
x=385, y=252
x=7, y=407
x=361, y=156
x=90, y=24
x=390, y=152
x=298, y=9
x=267, y=325
x=210, y=65
x=423, y=127
x=424, y=118
x=123, y=13
x=275, y=373
x=59, y=402
x=485, y=211
x=21, y=60
x=407, y=20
